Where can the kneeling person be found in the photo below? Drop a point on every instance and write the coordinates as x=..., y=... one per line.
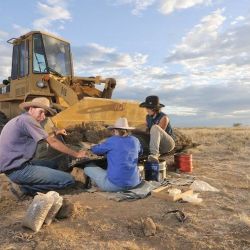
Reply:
x=18, y=143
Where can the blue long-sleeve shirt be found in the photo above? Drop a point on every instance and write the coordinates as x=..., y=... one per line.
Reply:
x=122, y=156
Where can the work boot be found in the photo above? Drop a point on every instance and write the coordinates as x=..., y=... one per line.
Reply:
x=153, y=158
x=17, y=191
x=79, y=175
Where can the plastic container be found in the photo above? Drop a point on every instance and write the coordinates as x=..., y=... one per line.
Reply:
x=183, y=162
x=162, y=170
x=151, y=171
x=141, y=171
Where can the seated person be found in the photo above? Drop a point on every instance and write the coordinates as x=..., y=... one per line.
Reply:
x=159, y=128
x=122, y=151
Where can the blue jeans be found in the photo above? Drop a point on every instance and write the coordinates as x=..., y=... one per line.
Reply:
x=99, y=176
x=40, y=176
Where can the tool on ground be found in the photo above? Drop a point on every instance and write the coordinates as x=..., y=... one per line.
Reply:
x=181, y=217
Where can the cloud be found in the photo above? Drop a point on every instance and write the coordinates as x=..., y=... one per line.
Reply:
x=216, y=62
x=196, y=105
x=52, y=11
x=207, y=45
x=137, y=5
x=20, y=29
x=3, y=35
x=54, y=15
x=169, y=6
x=238, y=19
x=166, y=7
x=213, y=54
x=203, y=38
x=94, y=57
x=134, y=75
x=5, y=52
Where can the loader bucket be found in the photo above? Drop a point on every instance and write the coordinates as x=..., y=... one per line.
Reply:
x=91, y=109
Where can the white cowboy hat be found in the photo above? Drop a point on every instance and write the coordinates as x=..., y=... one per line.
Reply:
x=38, y=102
x=121, y=123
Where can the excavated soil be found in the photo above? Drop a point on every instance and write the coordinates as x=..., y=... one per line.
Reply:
x=221, y=221
x=97, y=132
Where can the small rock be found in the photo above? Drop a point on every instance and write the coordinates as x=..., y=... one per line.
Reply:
x=9, y=247
x=67, y=210
x=159, y=228
x=129, y=246
x=42, y=245
x=149, y=227
x=87, y=208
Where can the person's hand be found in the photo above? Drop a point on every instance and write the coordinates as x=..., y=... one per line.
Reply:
x=61, y=132
x=81, y=154
x=88, y=145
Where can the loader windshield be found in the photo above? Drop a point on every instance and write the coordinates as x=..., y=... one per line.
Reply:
x=51, y=55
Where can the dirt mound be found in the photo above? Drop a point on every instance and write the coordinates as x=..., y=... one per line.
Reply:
x=97, y=132
x=183, y=142
x=93, y=132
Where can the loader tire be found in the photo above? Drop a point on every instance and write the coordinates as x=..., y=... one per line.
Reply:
x=3, y=120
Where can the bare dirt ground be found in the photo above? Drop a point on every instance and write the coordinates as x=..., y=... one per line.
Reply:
x=221, y=221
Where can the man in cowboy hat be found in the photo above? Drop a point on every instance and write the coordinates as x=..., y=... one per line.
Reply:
x=18, y=143
x=122, y=151
x=158, y=125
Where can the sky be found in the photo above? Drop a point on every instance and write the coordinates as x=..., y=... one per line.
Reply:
x=193, y=54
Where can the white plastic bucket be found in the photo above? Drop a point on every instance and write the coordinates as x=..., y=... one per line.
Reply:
x=162, y=170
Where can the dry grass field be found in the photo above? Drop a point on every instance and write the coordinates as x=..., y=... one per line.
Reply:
x=221, y=221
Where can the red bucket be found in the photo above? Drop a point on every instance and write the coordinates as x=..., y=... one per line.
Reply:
x=183, y=162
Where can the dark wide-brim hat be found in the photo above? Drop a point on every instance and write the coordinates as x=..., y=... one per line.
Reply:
x=151, y=101
x=39, y=102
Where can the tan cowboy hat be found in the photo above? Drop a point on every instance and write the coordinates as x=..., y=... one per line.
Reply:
x=121, y=123
x=38, y=102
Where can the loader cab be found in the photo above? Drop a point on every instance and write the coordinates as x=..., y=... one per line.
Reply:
x=40, y=53
x=35, y=55
x=51, y=54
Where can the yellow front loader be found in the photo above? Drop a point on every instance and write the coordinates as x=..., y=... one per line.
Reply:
x=42, y=66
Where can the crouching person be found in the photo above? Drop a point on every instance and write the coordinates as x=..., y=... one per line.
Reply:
x=18, y=143
x=158, y=127
x=122, y=151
